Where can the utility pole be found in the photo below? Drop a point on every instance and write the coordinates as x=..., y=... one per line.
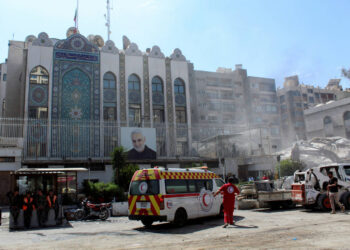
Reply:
x=108, y=19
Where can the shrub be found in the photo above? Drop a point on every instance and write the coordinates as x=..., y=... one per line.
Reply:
x=288, y=167
x=102, y=192
x=123, y=171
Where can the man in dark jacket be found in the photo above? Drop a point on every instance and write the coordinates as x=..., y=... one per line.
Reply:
x=15, y=205
x=40, y=202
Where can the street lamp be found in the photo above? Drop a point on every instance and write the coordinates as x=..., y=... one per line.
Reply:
x=279, y=165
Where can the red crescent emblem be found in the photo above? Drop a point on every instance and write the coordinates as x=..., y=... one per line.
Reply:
x=203, y=199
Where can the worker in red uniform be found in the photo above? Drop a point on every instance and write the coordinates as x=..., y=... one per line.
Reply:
x=229, y=191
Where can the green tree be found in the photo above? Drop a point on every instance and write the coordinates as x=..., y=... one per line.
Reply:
x=122, y=169
x=119, y=162
x=99, y=190
x=126, y=174
x=288, y=167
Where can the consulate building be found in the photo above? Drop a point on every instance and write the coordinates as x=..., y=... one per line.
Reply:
x=74, y=95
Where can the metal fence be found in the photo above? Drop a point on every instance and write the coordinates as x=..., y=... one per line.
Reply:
x=70, y=139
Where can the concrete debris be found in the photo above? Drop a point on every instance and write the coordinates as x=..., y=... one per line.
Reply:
x=318, y=151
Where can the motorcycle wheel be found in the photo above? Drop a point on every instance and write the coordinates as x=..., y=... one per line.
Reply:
x=104, y=214
x=79, y=214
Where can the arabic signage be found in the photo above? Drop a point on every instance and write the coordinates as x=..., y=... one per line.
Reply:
x=76, y=56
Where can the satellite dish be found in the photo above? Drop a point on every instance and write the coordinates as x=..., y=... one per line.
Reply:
x=98, y=40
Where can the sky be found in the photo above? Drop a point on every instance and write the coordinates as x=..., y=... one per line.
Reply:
x=271, y=38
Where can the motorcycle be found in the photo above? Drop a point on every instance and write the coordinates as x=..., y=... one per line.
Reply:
x=90, y=210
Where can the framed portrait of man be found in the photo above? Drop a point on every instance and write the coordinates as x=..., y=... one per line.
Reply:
x=140, y=143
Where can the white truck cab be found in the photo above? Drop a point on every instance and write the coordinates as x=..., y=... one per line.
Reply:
x=310, y=186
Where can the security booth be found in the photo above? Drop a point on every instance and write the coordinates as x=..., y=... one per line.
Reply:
x=62, y=181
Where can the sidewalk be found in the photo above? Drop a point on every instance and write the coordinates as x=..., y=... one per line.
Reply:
x=5, y=215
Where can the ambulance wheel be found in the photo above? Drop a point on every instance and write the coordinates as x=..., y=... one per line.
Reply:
x=147, y=222
x=323, y=202
x=180, y=217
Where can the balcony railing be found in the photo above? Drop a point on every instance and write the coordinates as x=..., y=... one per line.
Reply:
x=69, y=139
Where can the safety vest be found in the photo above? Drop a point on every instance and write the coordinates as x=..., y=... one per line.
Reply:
x=53, y=202
x=27, y=203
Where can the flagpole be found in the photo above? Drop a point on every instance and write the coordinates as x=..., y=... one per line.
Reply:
x=108, y=24
x=77, y=24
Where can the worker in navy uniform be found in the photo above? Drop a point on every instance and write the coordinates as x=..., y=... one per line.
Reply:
x=40, y=203
x=15, y=205
x=140, y=151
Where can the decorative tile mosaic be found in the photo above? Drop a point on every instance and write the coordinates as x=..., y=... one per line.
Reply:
x=122, y=87
x=75, y=99
x=146, y=98
x=170, y=106
x=38, y=95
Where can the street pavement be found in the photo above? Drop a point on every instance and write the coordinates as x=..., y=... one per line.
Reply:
x=258, y=229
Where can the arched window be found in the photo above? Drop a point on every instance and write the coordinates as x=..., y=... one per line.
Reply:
x=134, y=98
x=39, y=75
x=328, y=126
x=158, y=100
x=134, y=82
x=347, y=124
x=38, y=99
x=179, y=86
x=157, y=85
x=180, y=101
x=109, y=97
x=109, y=81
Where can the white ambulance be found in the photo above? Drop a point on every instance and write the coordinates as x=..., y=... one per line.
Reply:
x=174, y=195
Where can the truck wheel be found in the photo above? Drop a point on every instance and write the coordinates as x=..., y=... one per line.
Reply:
x=309, y=206
x=323, y=202
x=180, y=217
x=275, y=205
x=346, y=200
x=288, y=204
x=147, y=222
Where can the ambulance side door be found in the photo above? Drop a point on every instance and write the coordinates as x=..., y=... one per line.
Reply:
x=219, y=198
x=206, y=200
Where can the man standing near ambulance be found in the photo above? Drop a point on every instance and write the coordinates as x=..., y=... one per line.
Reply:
x=230, y=191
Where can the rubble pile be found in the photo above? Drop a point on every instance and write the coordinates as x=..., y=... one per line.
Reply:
x=319, y=151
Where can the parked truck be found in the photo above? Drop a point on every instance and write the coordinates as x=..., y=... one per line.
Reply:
x=310, y=187
x=274, y=197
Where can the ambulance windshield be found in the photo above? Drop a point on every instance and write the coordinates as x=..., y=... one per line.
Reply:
x=146, y=187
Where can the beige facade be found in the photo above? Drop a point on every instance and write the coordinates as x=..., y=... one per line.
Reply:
x=240, y=110
x=295, y=98
x=3, y=80
x=327, y=120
